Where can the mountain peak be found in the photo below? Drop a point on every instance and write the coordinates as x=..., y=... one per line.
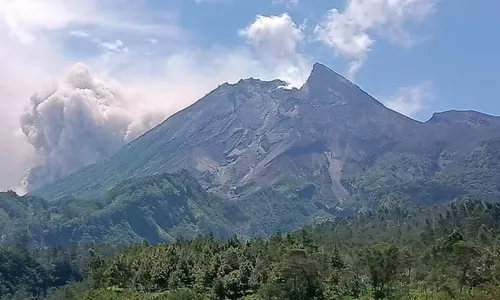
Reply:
x=323, y=75
x=319, y=67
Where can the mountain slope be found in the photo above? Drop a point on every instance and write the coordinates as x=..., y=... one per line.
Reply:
x=16, y=212
x=251, y=135
x=157, y=208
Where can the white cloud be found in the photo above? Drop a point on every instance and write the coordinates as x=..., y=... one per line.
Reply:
x=80, y=120
x=80, y=34
x=115, y=46
x=411, y=100
x=24, y=70
x=27, y=19
x=277, y=35
x=276, y=41
x=351, y=33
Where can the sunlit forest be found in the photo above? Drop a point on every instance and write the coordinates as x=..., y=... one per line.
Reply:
x=450, y=251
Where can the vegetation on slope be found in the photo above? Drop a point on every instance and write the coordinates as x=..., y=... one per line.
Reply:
x=166, y=207
x=158, y=208
x=401, y=180
x=446, y=252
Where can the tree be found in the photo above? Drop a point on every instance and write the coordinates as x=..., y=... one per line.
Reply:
x=382, y=260
x=298, y=277
x=464, y=255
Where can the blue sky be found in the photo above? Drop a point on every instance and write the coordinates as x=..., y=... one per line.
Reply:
x=459, y=53
x=455, y=54
x=154, y=57
x=452, y=53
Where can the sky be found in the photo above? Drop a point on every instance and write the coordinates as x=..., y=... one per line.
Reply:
x=80, y=78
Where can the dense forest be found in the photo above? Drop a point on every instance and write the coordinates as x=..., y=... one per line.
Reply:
x=451, y=251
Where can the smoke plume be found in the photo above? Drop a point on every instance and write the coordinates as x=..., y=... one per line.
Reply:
x=79, y=121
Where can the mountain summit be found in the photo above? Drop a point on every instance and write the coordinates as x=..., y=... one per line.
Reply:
x=322, y=75
x=329, y=136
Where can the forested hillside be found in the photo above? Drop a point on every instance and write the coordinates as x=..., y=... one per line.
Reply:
x=159, y=208
x=166, y=207
x=445, y=252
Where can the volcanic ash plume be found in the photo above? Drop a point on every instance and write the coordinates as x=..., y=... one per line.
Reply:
x=81, y=120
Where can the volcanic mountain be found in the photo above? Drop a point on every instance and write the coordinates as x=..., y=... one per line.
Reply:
x=328, y=140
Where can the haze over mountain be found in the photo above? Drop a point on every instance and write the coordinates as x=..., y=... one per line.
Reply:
x=329, y=134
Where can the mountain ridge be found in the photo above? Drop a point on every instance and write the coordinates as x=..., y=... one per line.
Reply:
x=470, y=117
x=253, y=134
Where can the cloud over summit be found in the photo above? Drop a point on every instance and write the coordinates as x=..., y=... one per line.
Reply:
x=276, y=41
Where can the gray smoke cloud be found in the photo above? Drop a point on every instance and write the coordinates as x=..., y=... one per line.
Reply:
x=79, y=121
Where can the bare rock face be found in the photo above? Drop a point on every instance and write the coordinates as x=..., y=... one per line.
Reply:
x=252, y=134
